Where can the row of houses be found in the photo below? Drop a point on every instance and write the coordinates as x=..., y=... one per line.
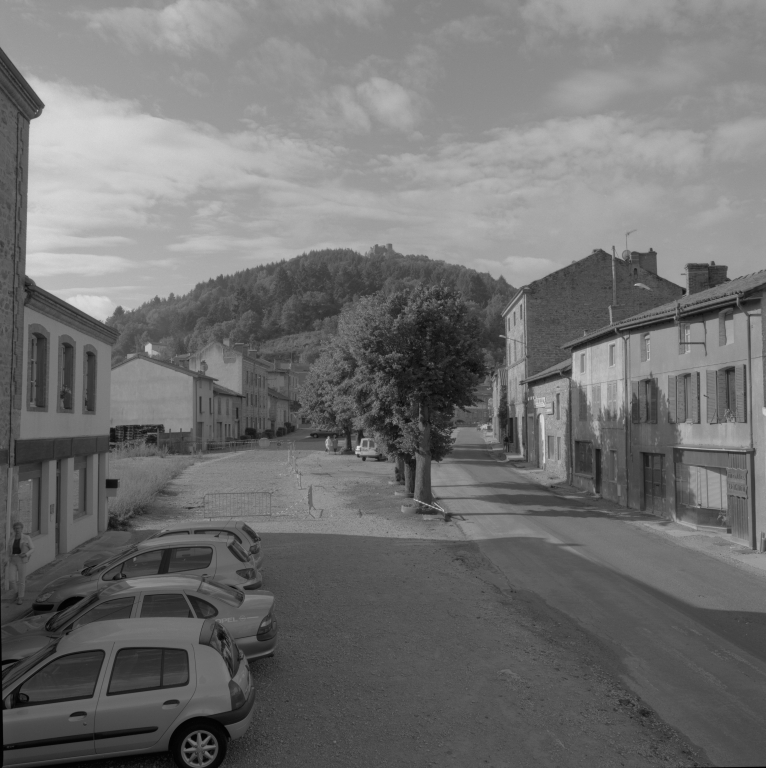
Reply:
x=658, y=404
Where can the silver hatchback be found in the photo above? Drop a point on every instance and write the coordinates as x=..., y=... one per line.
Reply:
x=215, y=557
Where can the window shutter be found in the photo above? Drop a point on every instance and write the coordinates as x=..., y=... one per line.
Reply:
x=642, y=411
x=652, y=397
x=635, y=415
x=681, y=398
x=739, y=386
x=672, y=399
x=712, y=397
x=722, y=329
x=722, y=393
x=694, y=406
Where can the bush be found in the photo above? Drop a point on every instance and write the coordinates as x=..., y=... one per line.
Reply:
x=251, y=433
x=141, y=479
x=269, y=433
x=280, y=431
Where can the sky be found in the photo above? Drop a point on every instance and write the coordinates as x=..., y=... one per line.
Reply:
x=186, y=139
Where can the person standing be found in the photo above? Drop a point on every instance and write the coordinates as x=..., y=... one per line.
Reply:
x=327, y=444
x=20, y=548
x=335, y=445
x=506, y=444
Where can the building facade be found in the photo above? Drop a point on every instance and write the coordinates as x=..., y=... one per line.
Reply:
x=693, y=407
x=228, y=406
x=150, y=391
x=279, y=410
x=542, y=316
x=19, y=104
x=549, y=395
x=62, y=454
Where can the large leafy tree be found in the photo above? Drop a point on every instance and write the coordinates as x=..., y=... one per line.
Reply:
x=327, y=397
x=417, y=358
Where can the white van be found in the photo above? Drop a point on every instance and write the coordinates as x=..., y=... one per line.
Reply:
x=367, y=450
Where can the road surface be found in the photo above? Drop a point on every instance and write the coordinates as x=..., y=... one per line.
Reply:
x=689, y=629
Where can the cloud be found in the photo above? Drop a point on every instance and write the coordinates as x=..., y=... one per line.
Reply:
x=741, y=139
x=356, y=11
x=182, y=27
x=99, y=307
x=590, y=17
x=389, y=102
x=48, y=264
x=469, y=29
x=284, y=64
x=722, y=211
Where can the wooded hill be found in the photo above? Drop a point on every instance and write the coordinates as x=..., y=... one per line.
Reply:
x=299, y=298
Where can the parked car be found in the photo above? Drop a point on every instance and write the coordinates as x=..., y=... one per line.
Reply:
x=240, y=530
x=323, y=433
x=366, y=450
x=219, y=558
x=249, y=617
x=133, y=686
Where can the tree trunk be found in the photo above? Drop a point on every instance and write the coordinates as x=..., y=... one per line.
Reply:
x=423, y=457
x=399, y=469
x=348, y=448
x=409, y=474
x=359, y=435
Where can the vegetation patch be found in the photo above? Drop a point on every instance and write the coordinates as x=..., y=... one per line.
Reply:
x=141, y=479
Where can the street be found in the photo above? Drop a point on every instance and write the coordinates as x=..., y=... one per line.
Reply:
x=689, y=630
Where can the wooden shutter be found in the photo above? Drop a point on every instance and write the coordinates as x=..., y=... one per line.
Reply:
x=652, y=397
x=712, y=397
x=740, y=388
x=722, y=391
x=642, y=411
x=635, y=413
x=672, y=399
x=722, y=329
x=694, y=406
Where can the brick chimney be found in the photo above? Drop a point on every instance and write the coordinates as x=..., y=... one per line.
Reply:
x=700, y=277
x=647, y=261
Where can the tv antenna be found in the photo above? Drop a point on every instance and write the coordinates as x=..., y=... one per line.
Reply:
x=626, y=252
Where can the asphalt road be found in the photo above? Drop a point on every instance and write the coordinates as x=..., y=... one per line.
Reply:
x=689, y=629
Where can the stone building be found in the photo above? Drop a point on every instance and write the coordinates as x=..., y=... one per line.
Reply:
x=18, y=105
x=543, y=315
x=228, y=407
x=693, y=406
x=549, y=398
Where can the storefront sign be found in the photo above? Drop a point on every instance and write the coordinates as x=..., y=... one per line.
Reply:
x=736, y=482
x=540, y=402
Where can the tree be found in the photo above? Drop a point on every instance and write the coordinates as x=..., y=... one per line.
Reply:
x=417, y=358
x=326, y=397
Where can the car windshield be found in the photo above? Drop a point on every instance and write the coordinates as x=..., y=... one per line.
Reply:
x=55, y=623
x=106, y=563
x=13, y=672
x=222, y=592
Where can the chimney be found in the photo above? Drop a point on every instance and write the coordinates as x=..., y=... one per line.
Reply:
x=700, y=277
x=647, y=261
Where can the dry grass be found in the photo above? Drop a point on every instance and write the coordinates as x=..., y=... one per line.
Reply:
x=141, y=479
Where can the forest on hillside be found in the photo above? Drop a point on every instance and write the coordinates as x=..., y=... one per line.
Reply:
x=301, y=298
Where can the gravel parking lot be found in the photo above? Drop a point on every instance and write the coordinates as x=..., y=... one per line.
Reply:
x=401, y=645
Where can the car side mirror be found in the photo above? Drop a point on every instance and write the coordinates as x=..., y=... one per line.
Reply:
x=119, y=576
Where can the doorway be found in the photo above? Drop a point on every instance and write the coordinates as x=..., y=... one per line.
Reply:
x=541, y=441
x=654, y=482
x=597, y=471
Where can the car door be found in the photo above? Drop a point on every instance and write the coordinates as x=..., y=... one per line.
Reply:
x=52, y=713
x=146, y=690
x=137, y=565
x=191, y=561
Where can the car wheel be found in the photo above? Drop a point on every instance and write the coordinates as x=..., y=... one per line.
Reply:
x=314, y=434
x=70, y=601
x=364, y=458
x=199, y=744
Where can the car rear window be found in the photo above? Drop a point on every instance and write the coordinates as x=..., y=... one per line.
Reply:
x=189, y=558
x=251, y=533
x=221, y=641
x=146, y=669
x=222, y=592
x=238, y=552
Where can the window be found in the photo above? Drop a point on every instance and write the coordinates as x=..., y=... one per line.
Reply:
x=227, y=406
x=558, y=406
x=202, y=608
x=236, y=550
x=80, y=492
x=66, y=374
x=583, y=403
x=612, y=467
x=189, y=558
x=646, y=352
x=514, y=318
x=200, y=403
x=726, y=395
x=167, y=606
x=64, y=679
x=38, y=368
x=726, y=328
x=521, y=312
x=30, y=476
x=145, y=564
x=702, y=487
x=684, y=338
x=121, y=608
x=550, y=446
x=596, y=399
x=558, y=448
x=146, y=669
x=611, y=401
x=219, y=405
x=644, y=401
x=583, y=457
x=89, y=380
x=611, y=355
x=582, y=362
x=210, y=404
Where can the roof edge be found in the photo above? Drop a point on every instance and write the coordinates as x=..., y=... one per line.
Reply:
x=19, y=91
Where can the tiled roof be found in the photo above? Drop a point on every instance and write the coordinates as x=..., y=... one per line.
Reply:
x=554, y=370
x=686, y=305
x=276, y=393
x=154, y=361
x=225, y=391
